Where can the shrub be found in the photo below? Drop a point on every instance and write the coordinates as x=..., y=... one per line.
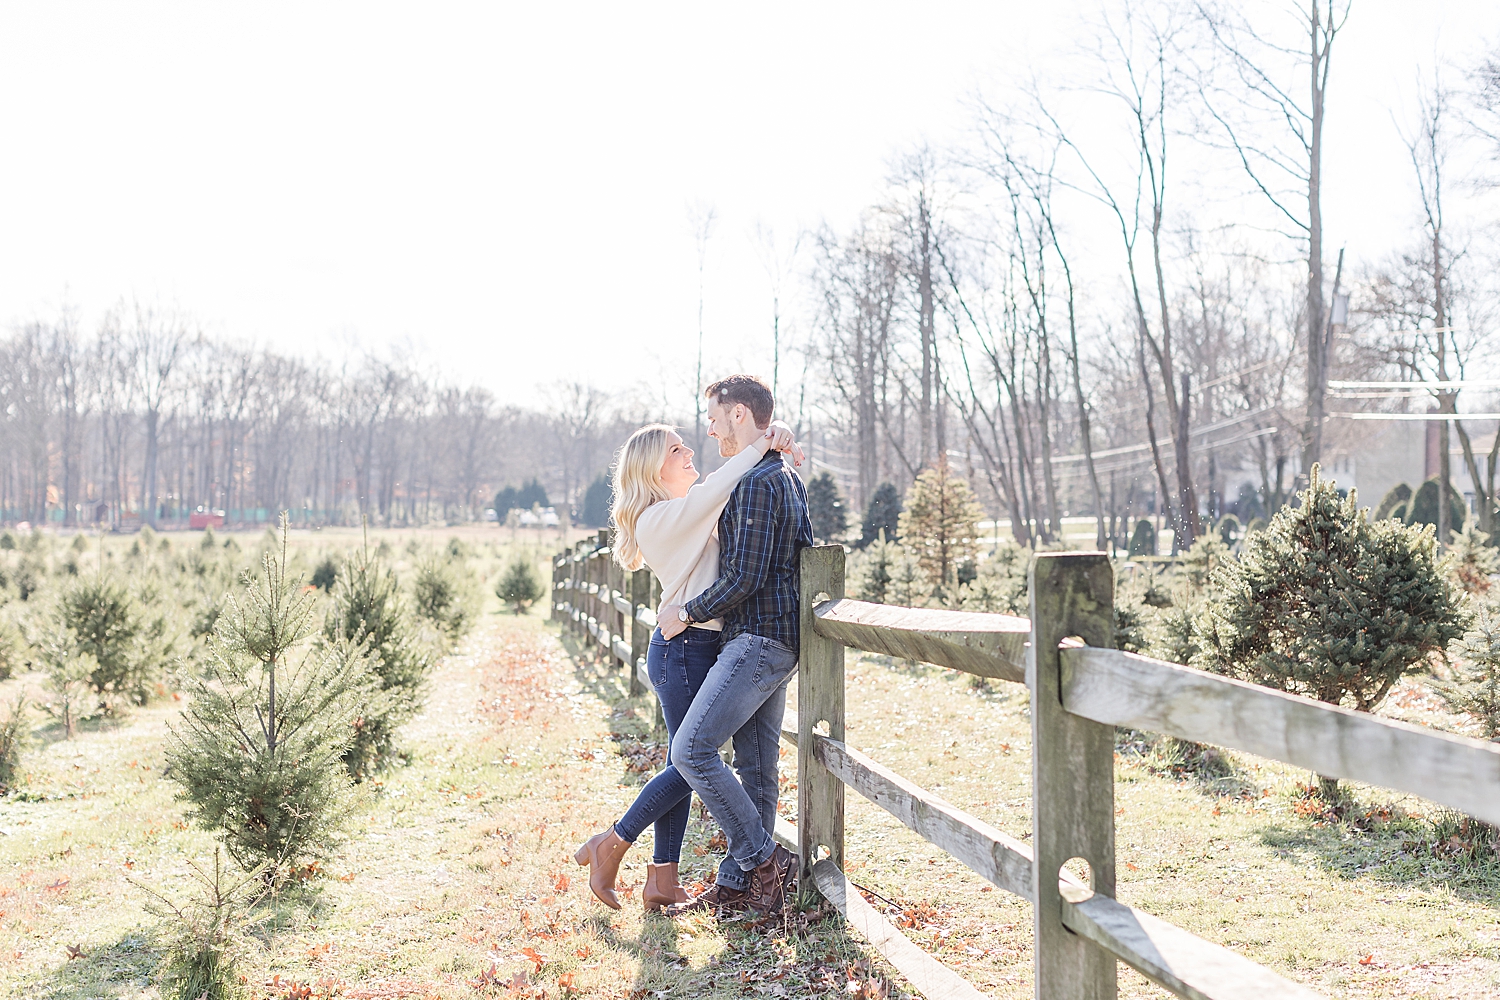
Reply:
x=825, y=508
x=326, y=574
x=1397, y=496
x=870, y=570
x=1229, y=529
x=1328, y=604
x=7, y=540
x=1470, y=561
x=208, y=939
x=1142, y=540
x=882, y=513
x=441, y=593
x=369, y=612
x=519, y=587
x=258, y=750
x=596, y=502
x=1423, y=508
x=939, y=523
x=1475, y=685
x=98, y=617
x=68, y=672
x=12, y=743
x=999, y=585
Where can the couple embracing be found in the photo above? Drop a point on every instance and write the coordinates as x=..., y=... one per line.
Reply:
x=726, y=551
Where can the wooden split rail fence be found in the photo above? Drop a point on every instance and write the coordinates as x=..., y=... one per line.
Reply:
x=604, y=604
x=1081, y=688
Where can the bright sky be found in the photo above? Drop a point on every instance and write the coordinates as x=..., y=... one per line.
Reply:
x=505, y=189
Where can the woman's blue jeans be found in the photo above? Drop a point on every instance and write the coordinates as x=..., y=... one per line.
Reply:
x=677, y=668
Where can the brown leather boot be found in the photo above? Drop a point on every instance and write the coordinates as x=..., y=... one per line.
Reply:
x=720, y=900
x=770, y=882
x=602, y=853
x=661, y=888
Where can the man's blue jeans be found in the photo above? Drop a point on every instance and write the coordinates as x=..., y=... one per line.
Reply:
x=744, y=695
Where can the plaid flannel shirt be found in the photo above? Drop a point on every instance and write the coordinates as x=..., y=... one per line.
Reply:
x=762, y=530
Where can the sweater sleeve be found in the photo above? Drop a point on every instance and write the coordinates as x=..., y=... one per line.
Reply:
x=685, y=523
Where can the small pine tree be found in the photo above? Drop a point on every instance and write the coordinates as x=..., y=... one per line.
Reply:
x=505, y=502
x=940, y=523
x=1229, y=529
x=442, y=595
x=910, y=586
x=209, y=930
x=13, y=739
x=98, y=617
x=882, y=513
x=874, y=569
x=1328, y=604
x=1142, y=540
x=999, y=586
x=596, y=503
x=519, y=587
x=1471, y=561
x=369, y=612
x=258, y=749
x=825, y=508
x=1475, y=685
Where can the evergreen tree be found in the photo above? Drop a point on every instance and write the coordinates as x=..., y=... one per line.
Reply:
x=442, y=593
x=1475, y=685
x=97, y=617
x=939, y=523
x=1423, y=508
x=876, y=564
x=1471, y=561
x=505, y=502
x=370, y=613
x=1142, y=540
x=596, y=503
x=1329, y=604
x=825, y=508
x=882, y=513
x=532, y=495
x=258, y=749
x=519, y=587
x=1397, y=496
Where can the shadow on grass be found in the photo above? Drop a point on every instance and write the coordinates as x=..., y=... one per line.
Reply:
x=1400, y=851
x=122, y=968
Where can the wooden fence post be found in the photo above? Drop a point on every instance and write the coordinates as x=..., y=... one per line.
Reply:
x=640, y=635
x=820, y=708
x=1072, y=772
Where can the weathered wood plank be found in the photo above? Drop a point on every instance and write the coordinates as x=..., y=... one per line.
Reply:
x=932, y=978
x=646, y=616
x=987, y=645
x=820, y=702
x=1002, y=859
x=1072, y=772
x=1171, y=957
x=622, y=604
x=621, y=650
x=1123, y=689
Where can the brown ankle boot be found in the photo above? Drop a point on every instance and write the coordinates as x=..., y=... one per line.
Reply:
x=602, y=853
x=661, y=888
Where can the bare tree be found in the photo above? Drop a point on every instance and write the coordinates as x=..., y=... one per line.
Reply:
x=1278, y=140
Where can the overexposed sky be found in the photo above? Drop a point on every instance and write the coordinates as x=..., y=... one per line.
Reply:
x=504, y=189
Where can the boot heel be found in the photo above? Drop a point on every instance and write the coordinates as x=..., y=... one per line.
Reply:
x=582, y=855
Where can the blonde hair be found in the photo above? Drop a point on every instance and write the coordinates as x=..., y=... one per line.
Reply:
x=637, y=485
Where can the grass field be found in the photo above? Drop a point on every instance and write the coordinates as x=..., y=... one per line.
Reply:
x=457, y=881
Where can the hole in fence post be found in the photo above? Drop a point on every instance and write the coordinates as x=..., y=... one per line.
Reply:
x=822, y=853
x=821, y=596
x=1080, y=869
x=822, y=728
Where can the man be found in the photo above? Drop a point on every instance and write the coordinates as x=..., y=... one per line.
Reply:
x=762, y=530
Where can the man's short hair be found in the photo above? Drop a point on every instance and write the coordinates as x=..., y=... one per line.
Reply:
x=747, y=390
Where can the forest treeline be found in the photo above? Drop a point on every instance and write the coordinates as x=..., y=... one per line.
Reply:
x=1113, y=298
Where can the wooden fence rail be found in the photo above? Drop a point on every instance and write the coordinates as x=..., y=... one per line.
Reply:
x=1081, y=688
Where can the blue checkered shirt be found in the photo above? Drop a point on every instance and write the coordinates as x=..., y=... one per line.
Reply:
x=762, y=530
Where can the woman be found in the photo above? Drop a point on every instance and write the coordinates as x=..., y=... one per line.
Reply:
x=666, y=522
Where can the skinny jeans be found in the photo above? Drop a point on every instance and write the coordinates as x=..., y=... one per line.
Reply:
x=677, y=667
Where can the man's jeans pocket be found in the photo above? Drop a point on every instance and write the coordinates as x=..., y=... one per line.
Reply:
x=774, y=665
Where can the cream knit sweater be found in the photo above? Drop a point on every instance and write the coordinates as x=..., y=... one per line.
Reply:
x=679, y=539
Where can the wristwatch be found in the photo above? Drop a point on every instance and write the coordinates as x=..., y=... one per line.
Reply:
x=682, y=615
